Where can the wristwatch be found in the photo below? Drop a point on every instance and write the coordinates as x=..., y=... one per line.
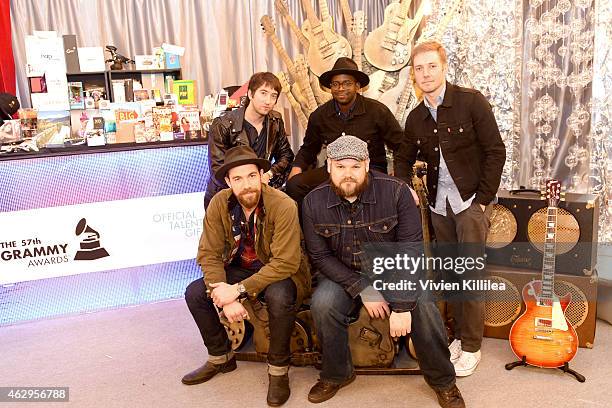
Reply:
x=241, y=290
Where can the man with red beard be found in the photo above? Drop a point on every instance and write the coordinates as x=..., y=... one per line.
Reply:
x=356, y=207
x=249, y=248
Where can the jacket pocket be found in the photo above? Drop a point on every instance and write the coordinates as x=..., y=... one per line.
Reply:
x=329, y=232
x=381, y=231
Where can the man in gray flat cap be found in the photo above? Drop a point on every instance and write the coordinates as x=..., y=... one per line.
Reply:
x=355, y=207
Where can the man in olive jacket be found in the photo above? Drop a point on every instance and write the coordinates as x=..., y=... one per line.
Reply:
x=250, y=248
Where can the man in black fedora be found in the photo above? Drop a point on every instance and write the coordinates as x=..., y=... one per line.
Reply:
x=249, y=248
x=348, y=113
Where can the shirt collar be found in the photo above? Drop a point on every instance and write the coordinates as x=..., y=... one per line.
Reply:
x=439, y=98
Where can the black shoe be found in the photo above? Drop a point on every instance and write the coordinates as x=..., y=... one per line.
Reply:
x=208, y=371
x=323, y=390
x=278, y=390
x=450, y=398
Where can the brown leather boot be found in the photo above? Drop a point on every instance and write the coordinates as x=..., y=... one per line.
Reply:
x=208, y=371
x=278, y=390
x=450, y=398
x=324, y=390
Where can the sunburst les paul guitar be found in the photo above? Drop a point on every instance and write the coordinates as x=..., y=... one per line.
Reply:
x=543, y=336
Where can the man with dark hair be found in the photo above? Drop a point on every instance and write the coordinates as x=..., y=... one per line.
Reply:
x=347, y=113
x=355, y=208
x=455, y=132
x=256, y=126
x=250, y=248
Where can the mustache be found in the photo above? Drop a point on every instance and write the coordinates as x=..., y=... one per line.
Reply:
x=247, y=191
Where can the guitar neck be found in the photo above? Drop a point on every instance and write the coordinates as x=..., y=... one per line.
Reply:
x=324, y=10
x=550, y=244
x=284, y=56
x=292, y=25
x=346, y=12
x=311, y=15
x=446, y=20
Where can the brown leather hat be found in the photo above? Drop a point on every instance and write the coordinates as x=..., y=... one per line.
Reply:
x=344, y=65
x=239, y=156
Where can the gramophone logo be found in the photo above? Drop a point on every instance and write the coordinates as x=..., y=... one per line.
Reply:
x=90, y=243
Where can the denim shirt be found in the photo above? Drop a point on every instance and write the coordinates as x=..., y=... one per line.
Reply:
x=447, y=189
x=335, y=231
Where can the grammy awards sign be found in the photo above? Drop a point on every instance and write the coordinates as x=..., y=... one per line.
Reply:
x=94, y=237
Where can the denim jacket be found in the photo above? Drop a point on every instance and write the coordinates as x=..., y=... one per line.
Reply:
x=335, y=231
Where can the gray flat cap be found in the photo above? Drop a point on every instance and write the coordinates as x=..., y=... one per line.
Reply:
x=348, y=147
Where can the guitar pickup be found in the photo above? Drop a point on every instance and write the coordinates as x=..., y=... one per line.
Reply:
x=546, y=338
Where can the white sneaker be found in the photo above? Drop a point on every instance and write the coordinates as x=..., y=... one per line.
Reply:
x=455, y=350
x=467, y=363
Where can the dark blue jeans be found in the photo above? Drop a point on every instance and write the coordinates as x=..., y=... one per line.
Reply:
x=332, y=307
x=280, y=298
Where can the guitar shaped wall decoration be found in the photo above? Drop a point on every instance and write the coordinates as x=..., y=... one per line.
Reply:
x=326, y=18
x=389, y=46
x=286, y=89
x=303, y=80
x=357, y=30
x=281, y=7
x=542, y=335
x=326, y=46
x=391, y=97
x=268, y=27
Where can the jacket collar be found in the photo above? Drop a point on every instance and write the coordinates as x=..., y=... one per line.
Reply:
x=367, y=197
x=238, y=119
x=447, y=102
x=358, y=109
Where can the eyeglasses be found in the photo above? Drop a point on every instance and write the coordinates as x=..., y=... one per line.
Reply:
x=343, y=84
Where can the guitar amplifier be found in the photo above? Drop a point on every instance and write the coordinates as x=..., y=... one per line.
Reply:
x=518, y=227
x=502, y=308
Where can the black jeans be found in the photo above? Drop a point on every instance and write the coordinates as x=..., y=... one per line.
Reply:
x=332, y=307
x=280, y=298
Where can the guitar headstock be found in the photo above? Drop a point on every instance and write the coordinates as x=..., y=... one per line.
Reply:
x=282, y=77
x=281, y=7
x=359, y=22
x=267, y=25
x=553, y=192
x=300, y=64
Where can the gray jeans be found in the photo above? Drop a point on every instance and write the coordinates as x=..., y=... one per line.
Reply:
x=469, y=226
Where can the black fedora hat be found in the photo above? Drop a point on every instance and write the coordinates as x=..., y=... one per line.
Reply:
x=344, y=65
x=239, y=156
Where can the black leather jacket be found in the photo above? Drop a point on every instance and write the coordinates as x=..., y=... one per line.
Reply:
x=227, y=131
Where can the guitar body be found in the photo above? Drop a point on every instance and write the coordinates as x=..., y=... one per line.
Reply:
x=542, y=333
x=391, y=98
x=384, y=51
x=326, y=46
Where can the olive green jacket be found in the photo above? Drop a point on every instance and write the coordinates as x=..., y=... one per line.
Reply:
x=277, y=244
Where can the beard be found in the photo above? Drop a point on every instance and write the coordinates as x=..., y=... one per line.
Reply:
x=352, y=189
x=248, y=200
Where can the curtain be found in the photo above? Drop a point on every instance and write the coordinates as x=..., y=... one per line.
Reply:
x=7, y=64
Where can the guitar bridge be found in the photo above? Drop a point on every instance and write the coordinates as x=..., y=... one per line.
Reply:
x=545, y=338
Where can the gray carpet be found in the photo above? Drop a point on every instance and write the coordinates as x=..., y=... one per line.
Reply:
x=135, y=357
